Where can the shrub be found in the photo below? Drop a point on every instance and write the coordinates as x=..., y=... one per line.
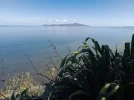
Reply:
x=95, y=73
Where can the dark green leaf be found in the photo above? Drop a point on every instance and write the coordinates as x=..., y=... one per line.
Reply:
x=87, y=39
x=63, y=62
x=13, y=97
x=24, y=92
x=17, y=96
x=77, y=93
x=132, y=46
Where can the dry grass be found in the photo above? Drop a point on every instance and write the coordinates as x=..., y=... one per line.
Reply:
x=18, y=83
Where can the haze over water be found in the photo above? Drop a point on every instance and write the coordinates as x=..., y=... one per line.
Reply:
x=15, y=42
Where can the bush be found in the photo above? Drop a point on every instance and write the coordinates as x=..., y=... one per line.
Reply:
x=96, y=73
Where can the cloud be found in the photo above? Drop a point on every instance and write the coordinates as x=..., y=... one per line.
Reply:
x=49, y=21
x=64, y=20
x=57, y=20
x=73, y=20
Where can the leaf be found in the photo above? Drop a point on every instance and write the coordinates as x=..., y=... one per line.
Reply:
x=85, y=45
x=106, y=59
x=131, y=83
x=104, y=93
x=24, y=98
x=96, y=45
x=132, y=46
x=72, y=59
x=103, y=98
x=116, y=52
x=126, y=51
x=63, y=62
x=17, y=96
x=103, y=90
x=24, y=92
x=79, y=47
x=12, y=96
x=85, y=76
x=110, y=51
x=113, y=92
x=77, y=93
x=66, y=71
x=87, y=39
x=91, y=57
x=86, y=62
x=75, y=52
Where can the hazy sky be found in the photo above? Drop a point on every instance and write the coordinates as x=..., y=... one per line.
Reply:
x=91, y=12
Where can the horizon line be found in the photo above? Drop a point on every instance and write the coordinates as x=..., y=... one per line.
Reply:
x=70, y=23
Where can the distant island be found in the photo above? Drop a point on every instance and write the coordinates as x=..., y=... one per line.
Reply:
x=73, y=24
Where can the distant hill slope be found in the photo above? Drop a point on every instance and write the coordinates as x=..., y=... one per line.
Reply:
x=73, y=24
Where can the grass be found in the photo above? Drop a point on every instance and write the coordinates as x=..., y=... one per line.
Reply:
x=20, y=83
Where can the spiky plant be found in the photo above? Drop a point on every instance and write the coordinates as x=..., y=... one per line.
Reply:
x=124, y=71
x=83, y=74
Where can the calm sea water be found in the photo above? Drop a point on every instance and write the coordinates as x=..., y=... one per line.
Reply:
x=15, y=42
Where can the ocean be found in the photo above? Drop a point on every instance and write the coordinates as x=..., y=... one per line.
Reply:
x=16, y=42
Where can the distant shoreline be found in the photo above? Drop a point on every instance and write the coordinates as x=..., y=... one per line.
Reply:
x=72, y=24
x=65, y=25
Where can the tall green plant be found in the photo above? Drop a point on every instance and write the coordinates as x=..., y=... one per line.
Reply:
x=86, y=71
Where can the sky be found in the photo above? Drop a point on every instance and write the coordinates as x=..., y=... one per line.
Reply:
x=89, y=12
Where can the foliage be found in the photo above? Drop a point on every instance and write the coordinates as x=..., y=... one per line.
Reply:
x=83, y=74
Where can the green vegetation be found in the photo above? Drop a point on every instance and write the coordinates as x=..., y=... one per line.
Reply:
x=96, y=73
x=91, y=73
